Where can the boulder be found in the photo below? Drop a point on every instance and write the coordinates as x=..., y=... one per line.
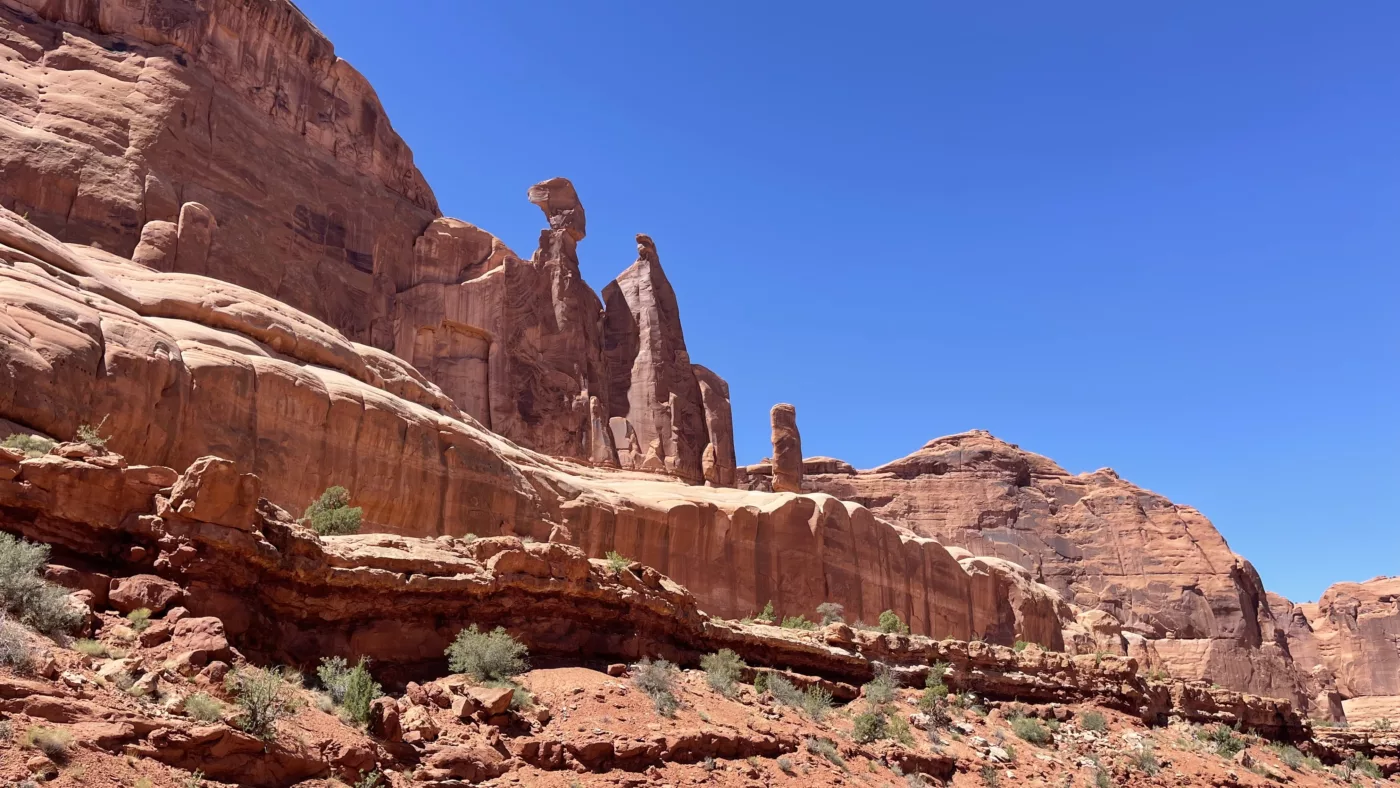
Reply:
x=149, y=591
x=202, y=639
x=213, y=491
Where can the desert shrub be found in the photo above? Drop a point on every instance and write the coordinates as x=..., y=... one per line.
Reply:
x=934, y=698
x=784, y=692
x=825, y=748
x=195, y=780
x=332, y=673
x=370, y=779
x=14, y=646
x=92, y=648
x=760, y=682
x=31, y=445
x=890, y=623
x=870, y=725
x=1093, y=721
x=1360, y=763
x=657, y=679
x=53, y=742
x=722, y=670
x=1101, y=778
x=1226, y=743
x=798, y=622
x=816, y=702
x=26, y=594
x=265, y=696
x=202, y=707
x=487, y=656
x=880, y=690
x=1145, y=761
x=91, y=435
x=1020, y=645
x=139, y=619
x=898, y=729
x=1029, y=729
x=361, y=690
x=617, y=561
x=767, y=616
x=785, y=764
x=1384, y=724
x=990, y=776
x=332, y=514
x=831, y=613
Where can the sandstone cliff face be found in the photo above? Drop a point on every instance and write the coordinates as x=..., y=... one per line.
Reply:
x=1160, y=568
x=226, y=139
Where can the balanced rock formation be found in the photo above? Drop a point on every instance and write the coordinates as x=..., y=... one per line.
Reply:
x=225, y=139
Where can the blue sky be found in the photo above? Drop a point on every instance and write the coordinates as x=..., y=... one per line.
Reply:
x=1163, y=240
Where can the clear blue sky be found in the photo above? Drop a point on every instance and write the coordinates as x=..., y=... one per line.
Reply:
x=1163, y=240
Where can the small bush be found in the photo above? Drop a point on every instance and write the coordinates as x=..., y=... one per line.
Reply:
x=798, y=622
x=1093, y=721
x=1360, y=763
x=92, y=648
x=195, y=780
x=26, y=595
x=487, y=656
x=361, y=690
x=265, y=696
x=202, y=707
x=14, y=646
x=91, y=435
x=760, y=682
x=767, y=616
x=1144, y=761
x=934, y=699
x=332, y=514
x=871, y=725
x=784, y=692
x=333, y=673
x=831, y=613
x=1020, y=645
x=1226, y=743
x=31, y=445
x=722, y=670
x=825, y=748
x=816, y=702
x=53, y=742
x=880, y=690
x=657, y=679
x=785, y=764
x=1030, y=729
x=139, y=619
x=1384, y=724
x=890, y=623
x=617, y=561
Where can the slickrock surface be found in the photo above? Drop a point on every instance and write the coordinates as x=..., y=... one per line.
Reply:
x=226, y=139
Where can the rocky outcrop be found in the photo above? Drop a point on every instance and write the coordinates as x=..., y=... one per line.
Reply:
x=787, y=449
x=1103, y=543
x=225, y=139
x=653, y=386
x=717, y=463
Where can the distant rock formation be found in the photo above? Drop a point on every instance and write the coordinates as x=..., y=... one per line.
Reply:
x=787, y=449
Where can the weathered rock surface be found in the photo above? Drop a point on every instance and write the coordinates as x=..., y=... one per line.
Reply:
x=1103, y=543
x=787, y=449
x=1350, y=640
x=226, y=139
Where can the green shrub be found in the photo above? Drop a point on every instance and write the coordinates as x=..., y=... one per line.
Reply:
x=332, y=514
x=831, y=613
x=31, y=445
x=617, y=561
x=1030, y=729
x=14, y=646
x=361, y=690
x=880, y=690
x=870, y=725
x=91, y=435
x=722, y=670
x=333, y=673
x=767, y=616
x=890, y=623
x=1226, y=743
x=1384, y=724
x=783, y=691
x=202, y=707
x=139, y=619
x=1093, y=721
x=657, y=679
x=24, y=592
x=484, y=656
x=760, y=682
x=1020, y=645
x=1360, y=763
x=898, y=730
x=53, y=742
x=798, y=622
x=264, y=696
x=816, y=702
